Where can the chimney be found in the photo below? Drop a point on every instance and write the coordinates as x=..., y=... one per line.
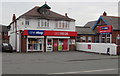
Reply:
x=104, y=14
x=14, y=17
x=66, y=14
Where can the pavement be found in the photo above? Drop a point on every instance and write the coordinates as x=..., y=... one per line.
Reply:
x=52, y=63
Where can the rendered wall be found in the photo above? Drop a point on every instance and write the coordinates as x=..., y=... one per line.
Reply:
x=97, y=47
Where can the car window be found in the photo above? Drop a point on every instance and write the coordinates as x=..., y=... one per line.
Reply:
x=5, y=44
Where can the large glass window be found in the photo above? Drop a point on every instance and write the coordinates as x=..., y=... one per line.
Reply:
x=105, y=38
x=35, y=44
x=63, y=44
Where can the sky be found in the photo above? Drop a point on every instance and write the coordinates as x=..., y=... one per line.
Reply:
x=81, y=11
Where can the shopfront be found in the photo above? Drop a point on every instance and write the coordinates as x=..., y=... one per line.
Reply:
x=46, y=41
x=57, y=43
x=105, y=34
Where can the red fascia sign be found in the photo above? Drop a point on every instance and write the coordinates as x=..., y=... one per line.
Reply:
x=105, y=29
x=59, y=33
x=50, y=33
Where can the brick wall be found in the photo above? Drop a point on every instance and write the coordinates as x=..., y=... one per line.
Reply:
x=23, y=44
x=114, y=35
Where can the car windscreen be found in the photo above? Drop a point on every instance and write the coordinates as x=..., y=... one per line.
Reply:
x=5, y=44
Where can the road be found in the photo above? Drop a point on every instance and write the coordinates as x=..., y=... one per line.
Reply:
x=59, y=63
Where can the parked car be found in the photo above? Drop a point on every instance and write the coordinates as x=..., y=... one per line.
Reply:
x=6, y=47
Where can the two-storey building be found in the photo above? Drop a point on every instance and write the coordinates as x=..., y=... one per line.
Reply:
x=41, y=29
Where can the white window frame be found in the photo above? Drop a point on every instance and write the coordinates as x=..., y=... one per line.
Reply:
x=44, y=23
x=27, y=22
x=62, y=24
x=89, y=38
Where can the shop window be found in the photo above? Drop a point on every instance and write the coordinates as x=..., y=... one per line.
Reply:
x=105, y=38
x=35, y=44
x=78, y=39
x=108, y=38
x=63, y=44
x=83, y=39
x=89, y=39
x=60, y=45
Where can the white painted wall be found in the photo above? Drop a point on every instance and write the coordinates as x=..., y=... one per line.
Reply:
x=12, y=40
x=97, y=47
x=33, y=24
x=18, y=42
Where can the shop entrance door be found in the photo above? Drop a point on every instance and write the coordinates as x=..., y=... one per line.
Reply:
x=55, y=44
x=65, y=46
x=49, y=45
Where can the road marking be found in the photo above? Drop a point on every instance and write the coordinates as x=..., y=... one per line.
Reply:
x=78, y=72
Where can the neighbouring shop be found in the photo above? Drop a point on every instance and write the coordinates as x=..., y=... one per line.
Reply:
x=45, y=40
x=105, y=34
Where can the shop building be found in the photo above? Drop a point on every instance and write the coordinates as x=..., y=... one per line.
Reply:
x=41, y=29
x=106, y=29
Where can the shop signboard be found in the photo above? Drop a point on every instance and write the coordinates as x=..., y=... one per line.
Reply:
x=106, y=29
x=49, y=33
x=35, y=32
x=59, y=33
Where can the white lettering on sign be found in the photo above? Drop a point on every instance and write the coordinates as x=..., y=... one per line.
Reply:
x=61, y=33
x=39, y=32
x=36, y=33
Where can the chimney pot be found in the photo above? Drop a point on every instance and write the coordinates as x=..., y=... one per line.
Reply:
x=66, y=14
x=14, y=17
x=104, y=14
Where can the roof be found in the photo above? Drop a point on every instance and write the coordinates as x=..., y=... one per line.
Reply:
x=114, y=21
x=85, y=31
x=110, y=20
x=90, y=24
x=45, y=6
x=36, y=13
x=3, y=28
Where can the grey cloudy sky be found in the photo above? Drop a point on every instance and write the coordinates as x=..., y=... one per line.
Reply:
x=82, y=12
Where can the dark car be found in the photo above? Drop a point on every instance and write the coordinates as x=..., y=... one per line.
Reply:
x=6, y=47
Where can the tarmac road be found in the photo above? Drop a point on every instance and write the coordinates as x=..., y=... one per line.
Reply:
x=59, y=63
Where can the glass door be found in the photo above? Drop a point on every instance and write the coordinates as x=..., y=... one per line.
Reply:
x=49, y=43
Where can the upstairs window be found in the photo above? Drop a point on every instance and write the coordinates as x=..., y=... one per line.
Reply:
x=26, y=22
x=62, y=24
x=43, y=23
